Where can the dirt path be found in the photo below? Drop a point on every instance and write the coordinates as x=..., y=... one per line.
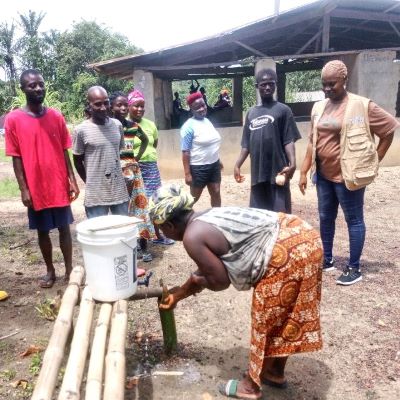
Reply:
x=361, y=324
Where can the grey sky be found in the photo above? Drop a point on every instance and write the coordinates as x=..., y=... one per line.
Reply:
x=151, y=24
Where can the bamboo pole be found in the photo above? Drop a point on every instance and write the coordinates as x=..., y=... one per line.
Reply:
x=54, y=353
x=94, y=384
x=70, y=388
x=114, y=385
x=168, y=325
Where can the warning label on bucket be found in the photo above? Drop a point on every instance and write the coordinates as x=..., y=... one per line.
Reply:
x=121, y=272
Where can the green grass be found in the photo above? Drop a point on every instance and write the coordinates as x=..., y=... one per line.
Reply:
x=36, y=362
x=33, y=258
x=8, y=188
x=3, y=157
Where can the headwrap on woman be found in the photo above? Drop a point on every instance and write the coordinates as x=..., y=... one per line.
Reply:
x=135, y=96
x=335, y=66
x=193, y=97
x=167, y=201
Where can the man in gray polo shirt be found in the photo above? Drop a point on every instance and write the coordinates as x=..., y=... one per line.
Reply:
x=96, y=145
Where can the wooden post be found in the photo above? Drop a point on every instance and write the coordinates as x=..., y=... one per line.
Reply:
x=70, y=388
x=114, y=385
x=238, y=99
x=281, y=89
x=54, y=353
x=94, y=384
x=325, y=32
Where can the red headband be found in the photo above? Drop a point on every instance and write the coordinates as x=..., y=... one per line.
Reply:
x=134, y=96
x=193, y=97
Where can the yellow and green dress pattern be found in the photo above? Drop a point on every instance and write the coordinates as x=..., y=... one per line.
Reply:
x=138, y=202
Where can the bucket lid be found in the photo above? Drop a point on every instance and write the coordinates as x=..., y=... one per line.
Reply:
x=108, y=225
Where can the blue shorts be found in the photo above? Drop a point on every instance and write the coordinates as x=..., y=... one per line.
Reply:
x=202, y=175
x=50, y=218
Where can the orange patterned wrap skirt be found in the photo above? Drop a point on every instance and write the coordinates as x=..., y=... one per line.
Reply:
x=285, y=308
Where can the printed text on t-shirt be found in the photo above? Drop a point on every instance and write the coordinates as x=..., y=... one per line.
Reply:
x=261, y=121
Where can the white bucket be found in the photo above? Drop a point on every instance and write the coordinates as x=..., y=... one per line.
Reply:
x=109, y=254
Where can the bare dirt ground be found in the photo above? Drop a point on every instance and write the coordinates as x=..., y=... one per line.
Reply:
x=361, y=324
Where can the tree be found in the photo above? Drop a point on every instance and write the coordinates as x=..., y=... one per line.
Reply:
x=86, y=43
x=62, y=58
x=8, y=51
x=249, y=92
x=31, y=44
x=4, y=97
x=76, y=97
x=50, y=40
x=301, y=81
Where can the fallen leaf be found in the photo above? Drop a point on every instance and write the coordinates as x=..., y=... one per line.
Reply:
x=32, y=349
x=206, y=396
x=56, y=302
x=132, y=382
x=138, y=336
x=15, y=384
x=19, y=382
x=23, y=384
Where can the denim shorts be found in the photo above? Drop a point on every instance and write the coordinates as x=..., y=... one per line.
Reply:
x=202, y=175
x=50, y=218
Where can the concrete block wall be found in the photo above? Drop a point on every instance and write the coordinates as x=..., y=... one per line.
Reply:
x=378, y=77
x=144, y=82
x=170, y=155
x=158, y=96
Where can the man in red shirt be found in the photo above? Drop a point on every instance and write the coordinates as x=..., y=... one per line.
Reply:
x=37, y=139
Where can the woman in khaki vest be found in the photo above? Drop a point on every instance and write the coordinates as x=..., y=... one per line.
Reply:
x=343, y=158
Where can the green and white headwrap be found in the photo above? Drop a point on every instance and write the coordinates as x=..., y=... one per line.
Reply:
x=167, y=201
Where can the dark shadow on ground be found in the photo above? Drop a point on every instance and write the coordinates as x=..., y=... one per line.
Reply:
x=371, y=266
x=203, y=368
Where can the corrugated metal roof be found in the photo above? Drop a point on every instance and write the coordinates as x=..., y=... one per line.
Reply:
x=354, y=25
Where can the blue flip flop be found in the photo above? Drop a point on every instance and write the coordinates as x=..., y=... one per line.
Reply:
x=230, y=390
x=163, y=240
